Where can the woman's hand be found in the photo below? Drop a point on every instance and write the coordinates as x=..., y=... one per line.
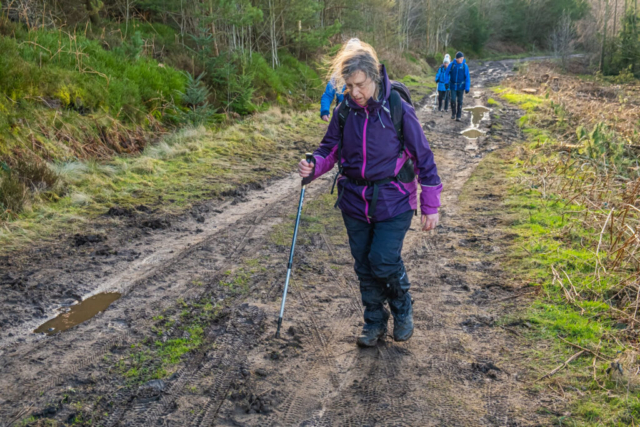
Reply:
x=429, y=222
x=305, y=168
x=325, y=118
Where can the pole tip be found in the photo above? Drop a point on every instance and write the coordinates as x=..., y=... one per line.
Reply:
x=278, y=329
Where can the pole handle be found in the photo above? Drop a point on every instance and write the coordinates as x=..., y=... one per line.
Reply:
x=310, y=159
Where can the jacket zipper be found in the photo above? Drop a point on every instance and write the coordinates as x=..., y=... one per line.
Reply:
x=364, y=141
x=364, y=163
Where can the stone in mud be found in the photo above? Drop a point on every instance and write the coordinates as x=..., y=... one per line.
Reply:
x=156, y=223
x=487, y=368
x=261, y=372
x=118, y=211
x=154, y=385
x=81, y=239
x=8, y=279
x=49, y=411
x=104, y=251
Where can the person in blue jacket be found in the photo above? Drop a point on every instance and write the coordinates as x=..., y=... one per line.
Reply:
x=459, y=83
x=442, y=78
x=330, y=92
x=327, y=98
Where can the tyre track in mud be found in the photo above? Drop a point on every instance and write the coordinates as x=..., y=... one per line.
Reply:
x=140, y=320
x=154, y=411
x=295, y=404
x=295, y=408
x=148, y=413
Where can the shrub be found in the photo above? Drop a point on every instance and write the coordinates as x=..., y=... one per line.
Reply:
x=82, y=75
x=13, y=195
x=35, y=173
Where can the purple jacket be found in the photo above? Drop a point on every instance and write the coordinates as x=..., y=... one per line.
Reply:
x=370, y=150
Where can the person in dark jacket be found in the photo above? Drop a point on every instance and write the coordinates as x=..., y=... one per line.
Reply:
x=371, y=153
x=459, y=83
x=442, y=78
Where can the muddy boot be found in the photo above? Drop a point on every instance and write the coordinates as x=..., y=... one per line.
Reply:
x=401, y=306
x=376, y=315
x=370, y=335
x=403, y=320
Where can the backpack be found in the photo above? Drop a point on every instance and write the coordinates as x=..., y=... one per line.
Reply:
x=441, y=70
x=399, y=92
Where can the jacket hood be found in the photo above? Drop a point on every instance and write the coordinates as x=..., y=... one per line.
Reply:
x=385, y=92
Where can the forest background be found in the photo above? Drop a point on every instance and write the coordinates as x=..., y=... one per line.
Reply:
x=89, y=80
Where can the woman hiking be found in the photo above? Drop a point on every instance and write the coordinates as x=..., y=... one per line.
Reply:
x=442, y=78
x=377, y=207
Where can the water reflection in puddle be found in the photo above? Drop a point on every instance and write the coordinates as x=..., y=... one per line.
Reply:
x=472, y=133
x=78, y=313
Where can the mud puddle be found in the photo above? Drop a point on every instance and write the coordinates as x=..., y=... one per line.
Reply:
x=78, y=313
x=478, y=113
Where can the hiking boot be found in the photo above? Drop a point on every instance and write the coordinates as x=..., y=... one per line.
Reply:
x=453, y=117
x=403, y=325
x=370, y=336
x=401, y=306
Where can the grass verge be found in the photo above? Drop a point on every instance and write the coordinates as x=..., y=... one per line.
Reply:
x=571, y=202
x=191, y=165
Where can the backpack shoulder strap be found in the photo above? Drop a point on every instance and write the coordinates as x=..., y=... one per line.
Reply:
x=343, y=113
x=397, y=114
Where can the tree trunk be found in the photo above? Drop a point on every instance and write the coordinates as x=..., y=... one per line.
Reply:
x=284, y=35
x=273, y=35
x=213, y=29
x=604, y=35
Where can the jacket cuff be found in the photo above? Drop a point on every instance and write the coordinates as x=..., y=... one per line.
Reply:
x=430, y=199
x=428, y=211
x=324, y=113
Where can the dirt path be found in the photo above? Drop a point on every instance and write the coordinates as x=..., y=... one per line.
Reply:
x=458, y=369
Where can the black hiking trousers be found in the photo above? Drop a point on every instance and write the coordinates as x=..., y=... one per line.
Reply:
x=376, y=249
x=457, y=97
x=443, y=97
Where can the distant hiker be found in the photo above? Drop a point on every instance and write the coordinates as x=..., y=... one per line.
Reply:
x=459, y=83
x=330, y=92
x=376, y=138
x=442, y=78
x=327, y=99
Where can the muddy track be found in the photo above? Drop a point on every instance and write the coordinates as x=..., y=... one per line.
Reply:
x=455, y=371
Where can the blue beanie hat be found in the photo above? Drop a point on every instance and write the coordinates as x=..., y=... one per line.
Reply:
x=459, y=55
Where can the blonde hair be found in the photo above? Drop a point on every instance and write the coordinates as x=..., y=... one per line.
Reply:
x=355, y=56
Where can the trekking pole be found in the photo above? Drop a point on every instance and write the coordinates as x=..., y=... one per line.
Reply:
x=305, y=181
